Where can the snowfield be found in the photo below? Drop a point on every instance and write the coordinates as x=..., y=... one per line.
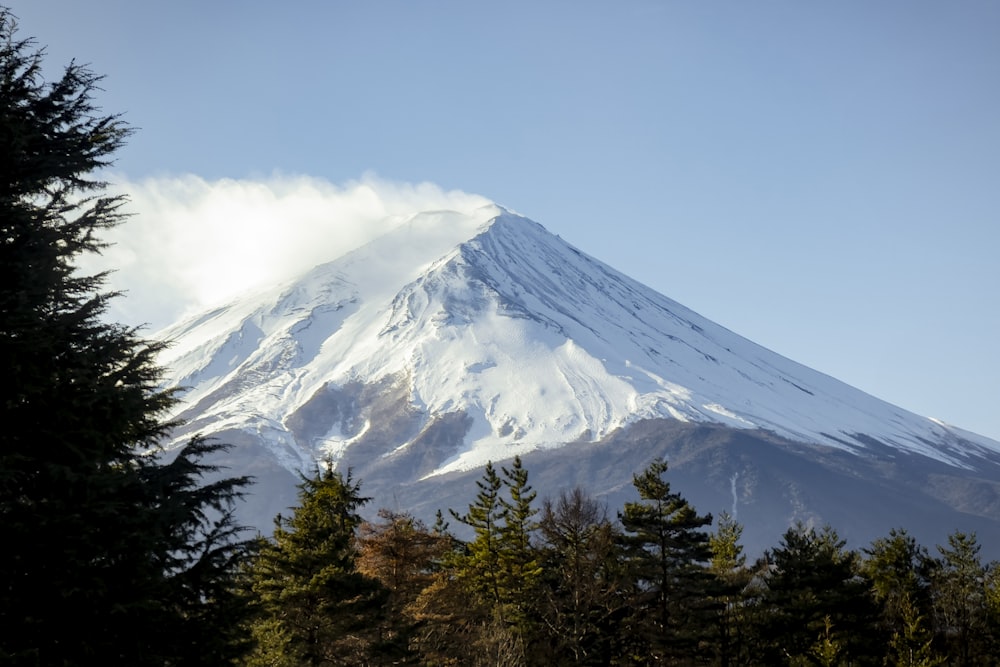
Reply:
x=488, y=315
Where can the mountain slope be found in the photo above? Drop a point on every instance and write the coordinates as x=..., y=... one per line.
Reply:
x=461, y=338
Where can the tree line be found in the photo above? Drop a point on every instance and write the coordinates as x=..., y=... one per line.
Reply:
x=560, y=582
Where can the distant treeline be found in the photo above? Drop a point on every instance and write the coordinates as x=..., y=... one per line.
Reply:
x=560, y=582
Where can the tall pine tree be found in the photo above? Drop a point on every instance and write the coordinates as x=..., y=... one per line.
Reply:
x=900, y=572
x=479, y=566
x=110, y=556
x=500, y=567
x=731, y=580
x=668, y=553
x=313, y=604
x=520, y=561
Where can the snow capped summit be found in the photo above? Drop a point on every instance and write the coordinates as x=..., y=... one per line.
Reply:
x=457, y=338
x=528, y=342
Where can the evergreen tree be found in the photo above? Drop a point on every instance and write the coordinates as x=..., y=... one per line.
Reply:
x=519, y=560
x=912, y=644
x=500, y=567
x=815, y=592
x=479, y=567
x=312, y=601
x=900, y=572
x=668, y=552
x=728, y=564
x=111, y=556
x=197, y=551
x=827, y=651
x=961, y=601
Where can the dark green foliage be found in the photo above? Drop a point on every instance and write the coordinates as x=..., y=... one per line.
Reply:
x=313, y=604
x=816, y=599
x=912, y=644
x=732, y=577
x=500, y=566
x=900, y=571
x=111, y=557
x=196, y=551
x=961, y=601
x=667, y=556
x=657, y=591
x=479, y=567
x=520, y=566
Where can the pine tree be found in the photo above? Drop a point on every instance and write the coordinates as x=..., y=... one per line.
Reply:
x=312, y=601
x=479, y=568
x=500, y=567
x=111, y=556
x=668, y=553
x=519, y=560
x=826, y=651
x=815, y=591
x=912, y=644
x=900, y=572
x=728, y=565
x=961, y=600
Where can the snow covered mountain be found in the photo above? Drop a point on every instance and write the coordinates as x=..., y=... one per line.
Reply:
x=460, y=338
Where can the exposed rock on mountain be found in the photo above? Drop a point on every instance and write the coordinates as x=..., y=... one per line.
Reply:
x=461, y=338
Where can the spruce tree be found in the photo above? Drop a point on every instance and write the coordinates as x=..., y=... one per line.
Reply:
x=111, y=556
x=900, y=572
x=312, y=602
x=500, y=567
x=479, y=567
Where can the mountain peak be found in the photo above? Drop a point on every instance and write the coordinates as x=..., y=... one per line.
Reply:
x=457, y=338
x=536, y=343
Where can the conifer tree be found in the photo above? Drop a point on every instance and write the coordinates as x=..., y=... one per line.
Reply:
x=111, y=556
x=728, y=565
x=312, y=601
x=479, y=568
x=668, y=553
x=900, y=571
x=520, y=563
x=815, y=591
x=912, y=643
x=961, y=600
x=500, y=566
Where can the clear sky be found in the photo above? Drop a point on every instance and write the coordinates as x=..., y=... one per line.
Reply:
x=822, y=178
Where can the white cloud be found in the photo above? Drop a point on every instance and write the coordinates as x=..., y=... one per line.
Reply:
x=194, y=243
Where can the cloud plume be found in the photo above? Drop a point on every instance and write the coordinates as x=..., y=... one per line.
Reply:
x=193, y=243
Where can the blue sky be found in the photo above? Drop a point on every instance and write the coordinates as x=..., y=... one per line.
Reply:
x=822, y=178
